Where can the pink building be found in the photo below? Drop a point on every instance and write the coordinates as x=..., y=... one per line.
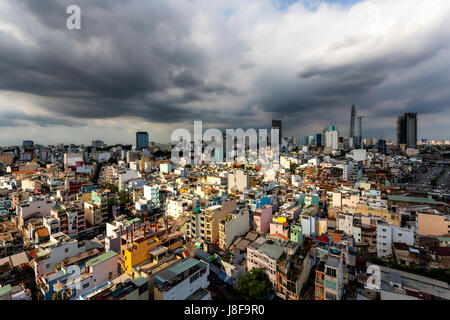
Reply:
x=104, y=267
x=351, y=202
x=294, y=212
x=263, y=218
x=266, y=257
x=279, y=228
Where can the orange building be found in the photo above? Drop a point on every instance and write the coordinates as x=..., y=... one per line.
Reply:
x=320, y=281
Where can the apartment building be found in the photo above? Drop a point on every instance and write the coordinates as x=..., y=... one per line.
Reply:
x=35, y=206
x=152, y=193
x=71, y=285
x=265, y=255
x=70, y=217
x=59, y=248
x=204, y=223
x=73, y=160
x=429, y=224
x=121, y=288
x=333, y=277
x=102, y=207
x=262, y=217
x=187, y=280
x=279, y=226
x=387, y=234
x=238, y=179
x=233, y=225
x=400, y=285
x=146, y=248
x=179, y=206
x=11, y=239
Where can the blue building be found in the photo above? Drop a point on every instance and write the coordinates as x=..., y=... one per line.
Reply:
x=319, y=139
x=141, y=140
x=382, y=146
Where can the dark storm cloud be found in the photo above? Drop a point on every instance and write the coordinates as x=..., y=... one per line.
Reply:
x=14, y=119
x=187, y=79
x=146, y=60
x=132, y=59
x=114, y=79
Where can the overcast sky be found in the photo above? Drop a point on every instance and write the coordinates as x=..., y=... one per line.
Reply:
x=161, y=64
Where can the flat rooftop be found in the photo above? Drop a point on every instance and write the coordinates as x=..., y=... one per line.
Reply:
x=428, y=200
x=101, y=258
x=272, y=250
x=332, y=262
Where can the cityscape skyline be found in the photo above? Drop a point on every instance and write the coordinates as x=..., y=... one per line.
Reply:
x=246, y=153
x=355, y=120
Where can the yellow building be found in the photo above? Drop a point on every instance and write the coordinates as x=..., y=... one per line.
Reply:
x=150, y=248
x=391, y=217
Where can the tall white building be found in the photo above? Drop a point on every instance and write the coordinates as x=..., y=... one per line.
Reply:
x=238, y=179
x=234, y=225
x=387, y=234
x=187, y=280
x=332, y=139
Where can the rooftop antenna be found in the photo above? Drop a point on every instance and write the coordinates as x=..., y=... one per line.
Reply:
x=132, y=233
x=144, y=227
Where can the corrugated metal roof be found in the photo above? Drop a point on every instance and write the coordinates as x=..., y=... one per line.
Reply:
x=5, y=289
x=140, y=281
x=272, y=250
x=185, y=265
x=411, y=199
x=101, y=258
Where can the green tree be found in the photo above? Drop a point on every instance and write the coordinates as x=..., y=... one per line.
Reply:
x=124, y=197
x=254, y=285
x=293, y=167
x=57, y=296
x=111, y=187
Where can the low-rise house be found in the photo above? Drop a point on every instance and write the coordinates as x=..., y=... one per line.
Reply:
x=187, y=280
x=234, y=225
x=73, y=280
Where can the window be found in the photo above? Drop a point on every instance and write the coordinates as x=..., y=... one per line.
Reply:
x=438, y=289
x=66, y=250
x=330, y=284
x=421, y=284
x=331, y=272
x=110, y=276
x=86, y=285
x=330, y=296
x=194, y=277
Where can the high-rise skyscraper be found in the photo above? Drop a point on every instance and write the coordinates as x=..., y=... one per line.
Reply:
x=382, y=146
x=276, y=124
x=357, y=138
x=352, y=122
x=27, y=143
x=407, y=129
x=98, y=144
x=141, y=140
x=319, y=139
x=332, y=139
